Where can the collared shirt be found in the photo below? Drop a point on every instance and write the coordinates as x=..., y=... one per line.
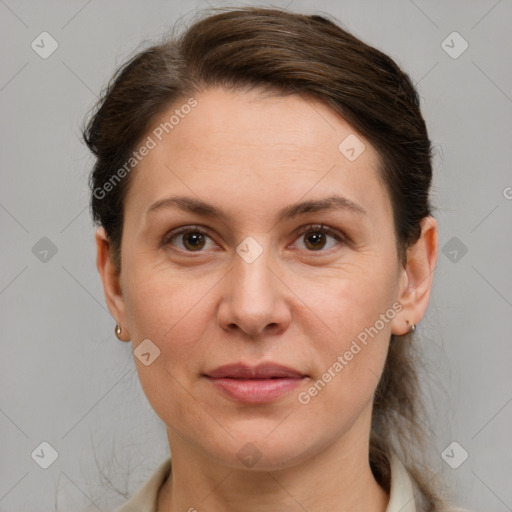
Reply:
x=401, y=497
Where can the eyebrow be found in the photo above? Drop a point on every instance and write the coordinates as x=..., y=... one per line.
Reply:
x=193, y=205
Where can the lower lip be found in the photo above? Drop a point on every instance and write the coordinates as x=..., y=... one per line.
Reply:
x=255, y=391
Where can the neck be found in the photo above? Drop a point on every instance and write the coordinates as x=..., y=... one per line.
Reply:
x=336, y=479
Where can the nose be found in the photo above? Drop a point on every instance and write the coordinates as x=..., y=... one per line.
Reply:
x=255, y=300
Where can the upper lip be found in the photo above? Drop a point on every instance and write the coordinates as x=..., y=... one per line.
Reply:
x=261, y=371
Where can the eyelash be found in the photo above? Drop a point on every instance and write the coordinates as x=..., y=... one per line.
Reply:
x=312, y=228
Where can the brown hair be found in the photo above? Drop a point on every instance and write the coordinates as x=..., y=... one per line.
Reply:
x=313, y=57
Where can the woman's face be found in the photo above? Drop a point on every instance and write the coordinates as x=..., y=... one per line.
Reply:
x=257, y=279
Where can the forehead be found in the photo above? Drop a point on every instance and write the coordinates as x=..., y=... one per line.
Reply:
x=249, y=145
x=257, y=120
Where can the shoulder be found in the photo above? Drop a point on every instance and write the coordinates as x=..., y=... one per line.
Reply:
x=405, y=495
x=145, y=499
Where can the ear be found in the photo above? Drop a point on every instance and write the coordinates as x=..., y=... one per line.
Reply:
x=110, y=278
x=417, y=277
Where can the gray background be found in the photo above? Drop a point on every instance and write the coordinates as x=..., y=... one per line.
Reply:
x=66, y=380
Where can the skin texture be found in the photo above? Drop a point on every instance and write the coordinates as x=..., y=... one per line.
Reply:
x=298, y=304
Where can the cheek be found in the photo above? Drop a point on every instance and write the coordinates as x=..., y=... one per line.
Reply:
x=173, y=311
x=177, y=313
x=164, y=304
x=358, y=309
x=349, y=301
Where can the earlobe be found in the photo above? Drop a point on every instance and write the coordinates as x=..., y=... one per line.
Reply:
x=110, y=277
x=417, y=278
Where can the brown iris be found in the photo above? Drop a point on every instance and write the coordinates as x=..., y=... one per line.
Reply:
x=193, y=241
x=315, y=240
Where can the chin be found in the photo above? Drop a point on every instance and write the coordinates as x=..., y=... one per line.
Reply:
x=261, y=450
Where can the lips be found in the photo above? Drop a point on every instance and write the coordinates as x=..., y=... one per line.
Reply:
x=262, y=371
x=255, y=384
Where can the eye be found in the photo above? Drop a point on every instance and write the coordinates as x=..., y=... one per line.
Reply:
x=317, y=238
x=193, y=239
x=190, y=239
